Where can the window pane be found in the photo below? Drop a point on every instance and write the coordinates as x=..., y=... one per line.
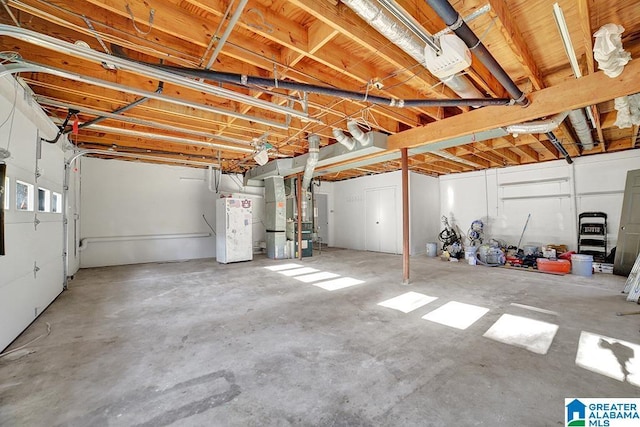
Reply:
x=56, y=202
x=44, y=200
x=6, y=193
x=24, y=196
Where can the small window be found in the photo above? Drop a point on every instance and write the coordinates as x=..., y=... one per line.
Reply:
x=44, y=200
x=56, y=202
x=24, y=196
x=5, y=190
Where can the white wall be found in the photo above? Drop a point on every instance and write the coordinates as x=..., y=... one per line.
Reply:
x=140, y=204
x=347, y=220
x=424, y=206
x=349, y=209
x=554, y=193
x=31, y=272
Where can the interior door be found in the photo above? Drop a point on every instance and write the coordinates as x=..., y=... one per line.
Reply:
x=322, y=218
x=380, y=218
x=629, y=232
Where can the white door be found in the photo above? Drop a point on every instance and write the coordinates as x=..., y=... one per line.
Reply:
x=629, y=232
x=380, y=220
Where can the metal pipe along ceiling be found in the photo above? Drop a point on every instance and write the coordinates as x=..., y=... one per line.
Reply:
x=137, y=156
x=61, y=46
x=454, y=21
x=168, y=138
x=402, y=30
x=23, y=66
x=43, y=100
x=244, y=80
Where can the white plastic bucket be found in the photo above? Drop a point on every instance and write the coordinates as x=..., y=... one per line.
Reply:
x=470, y=252
x=432, y=249
x=582, y=265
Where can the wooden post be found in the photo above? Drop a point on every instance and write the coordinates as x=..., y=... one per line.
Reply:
x=299, y=187
x=405, y=216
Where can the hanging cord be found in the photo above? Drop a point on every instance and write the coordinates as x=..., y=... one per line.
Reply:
x=152, y=12
x=205, y=220
x=6, y=353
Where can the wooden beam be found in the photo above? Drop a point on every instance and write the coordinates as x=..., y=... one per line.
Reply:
x=587, y=33
x=568, y=95
x=515, y=40
x=549, y=149
x=526, y=152
x=634, y=135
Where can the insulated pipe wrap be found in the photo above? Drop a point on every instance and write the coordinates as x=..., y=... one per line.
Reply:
x=312, y=160
x=453, y=20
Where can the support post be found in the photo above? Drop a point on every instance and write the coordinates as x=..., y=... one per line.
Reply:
x=405, y=216
x=299, y=192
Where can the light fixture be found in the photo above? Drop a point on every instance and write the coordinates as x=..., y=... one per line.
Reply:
x=261, y=157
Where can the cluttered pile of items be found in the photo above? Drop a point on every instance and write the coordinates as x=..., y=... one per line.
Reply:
x=551, y=258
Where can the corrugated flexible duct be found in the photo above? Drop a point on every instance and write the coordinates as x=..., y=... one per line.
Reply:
x=399, y=35
x=581, y=127
x=312, y=160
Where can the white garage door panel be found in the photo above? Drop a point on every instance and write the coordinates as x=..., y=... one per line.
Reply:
x=20, y=249
x=16, y=308
x=47, y=285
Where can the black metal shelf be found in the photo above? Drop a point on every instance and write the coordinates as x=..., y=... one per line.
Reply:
x=592, y=235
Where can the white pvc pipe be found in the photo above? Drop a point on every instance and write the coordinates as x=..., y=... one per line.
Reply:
x=61, y=46
x=28, y=66
x=85, y=242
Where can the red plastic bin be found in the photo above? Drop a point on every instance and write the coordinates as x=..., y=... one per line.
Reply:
x=560, y=266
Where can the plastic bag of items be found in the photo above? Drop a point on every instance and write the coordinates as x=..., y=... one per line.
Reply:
x=628, y=111
x=608, y=51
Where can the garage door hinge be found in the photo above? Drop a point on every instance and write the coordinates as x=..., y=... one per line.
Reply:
x=36, y=221
x=35, y=269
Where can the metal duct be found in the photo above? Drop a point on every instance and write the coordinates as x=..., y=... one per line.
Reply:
x=454, y=21
x=343, y=139
x=539, y=126
x=168, y=138
x=312, y=160
x=581, y=127
x=365, y=139
x=406, y=40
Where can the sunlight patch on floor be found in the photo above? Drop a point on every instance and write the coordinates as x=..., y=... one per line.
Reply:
x=408, y=302
x=533, y=335
x=610, y=357
x=315, y=277
x=298, y=271
x=283, y=267
x=341, y=283
x=456, y=314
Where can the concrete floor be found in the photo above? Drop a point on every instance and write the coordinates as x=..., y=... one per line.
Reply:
x=199, y=343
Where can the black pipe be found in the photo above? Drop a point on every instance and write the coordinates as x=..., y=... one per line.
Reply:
x=244, y=80
x=62, y=127
x=454, y=21
x=119, y=110
x=556, y=143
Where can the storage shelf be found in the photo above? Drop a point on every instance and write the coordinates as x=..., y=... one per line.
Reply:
x=592, y=234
